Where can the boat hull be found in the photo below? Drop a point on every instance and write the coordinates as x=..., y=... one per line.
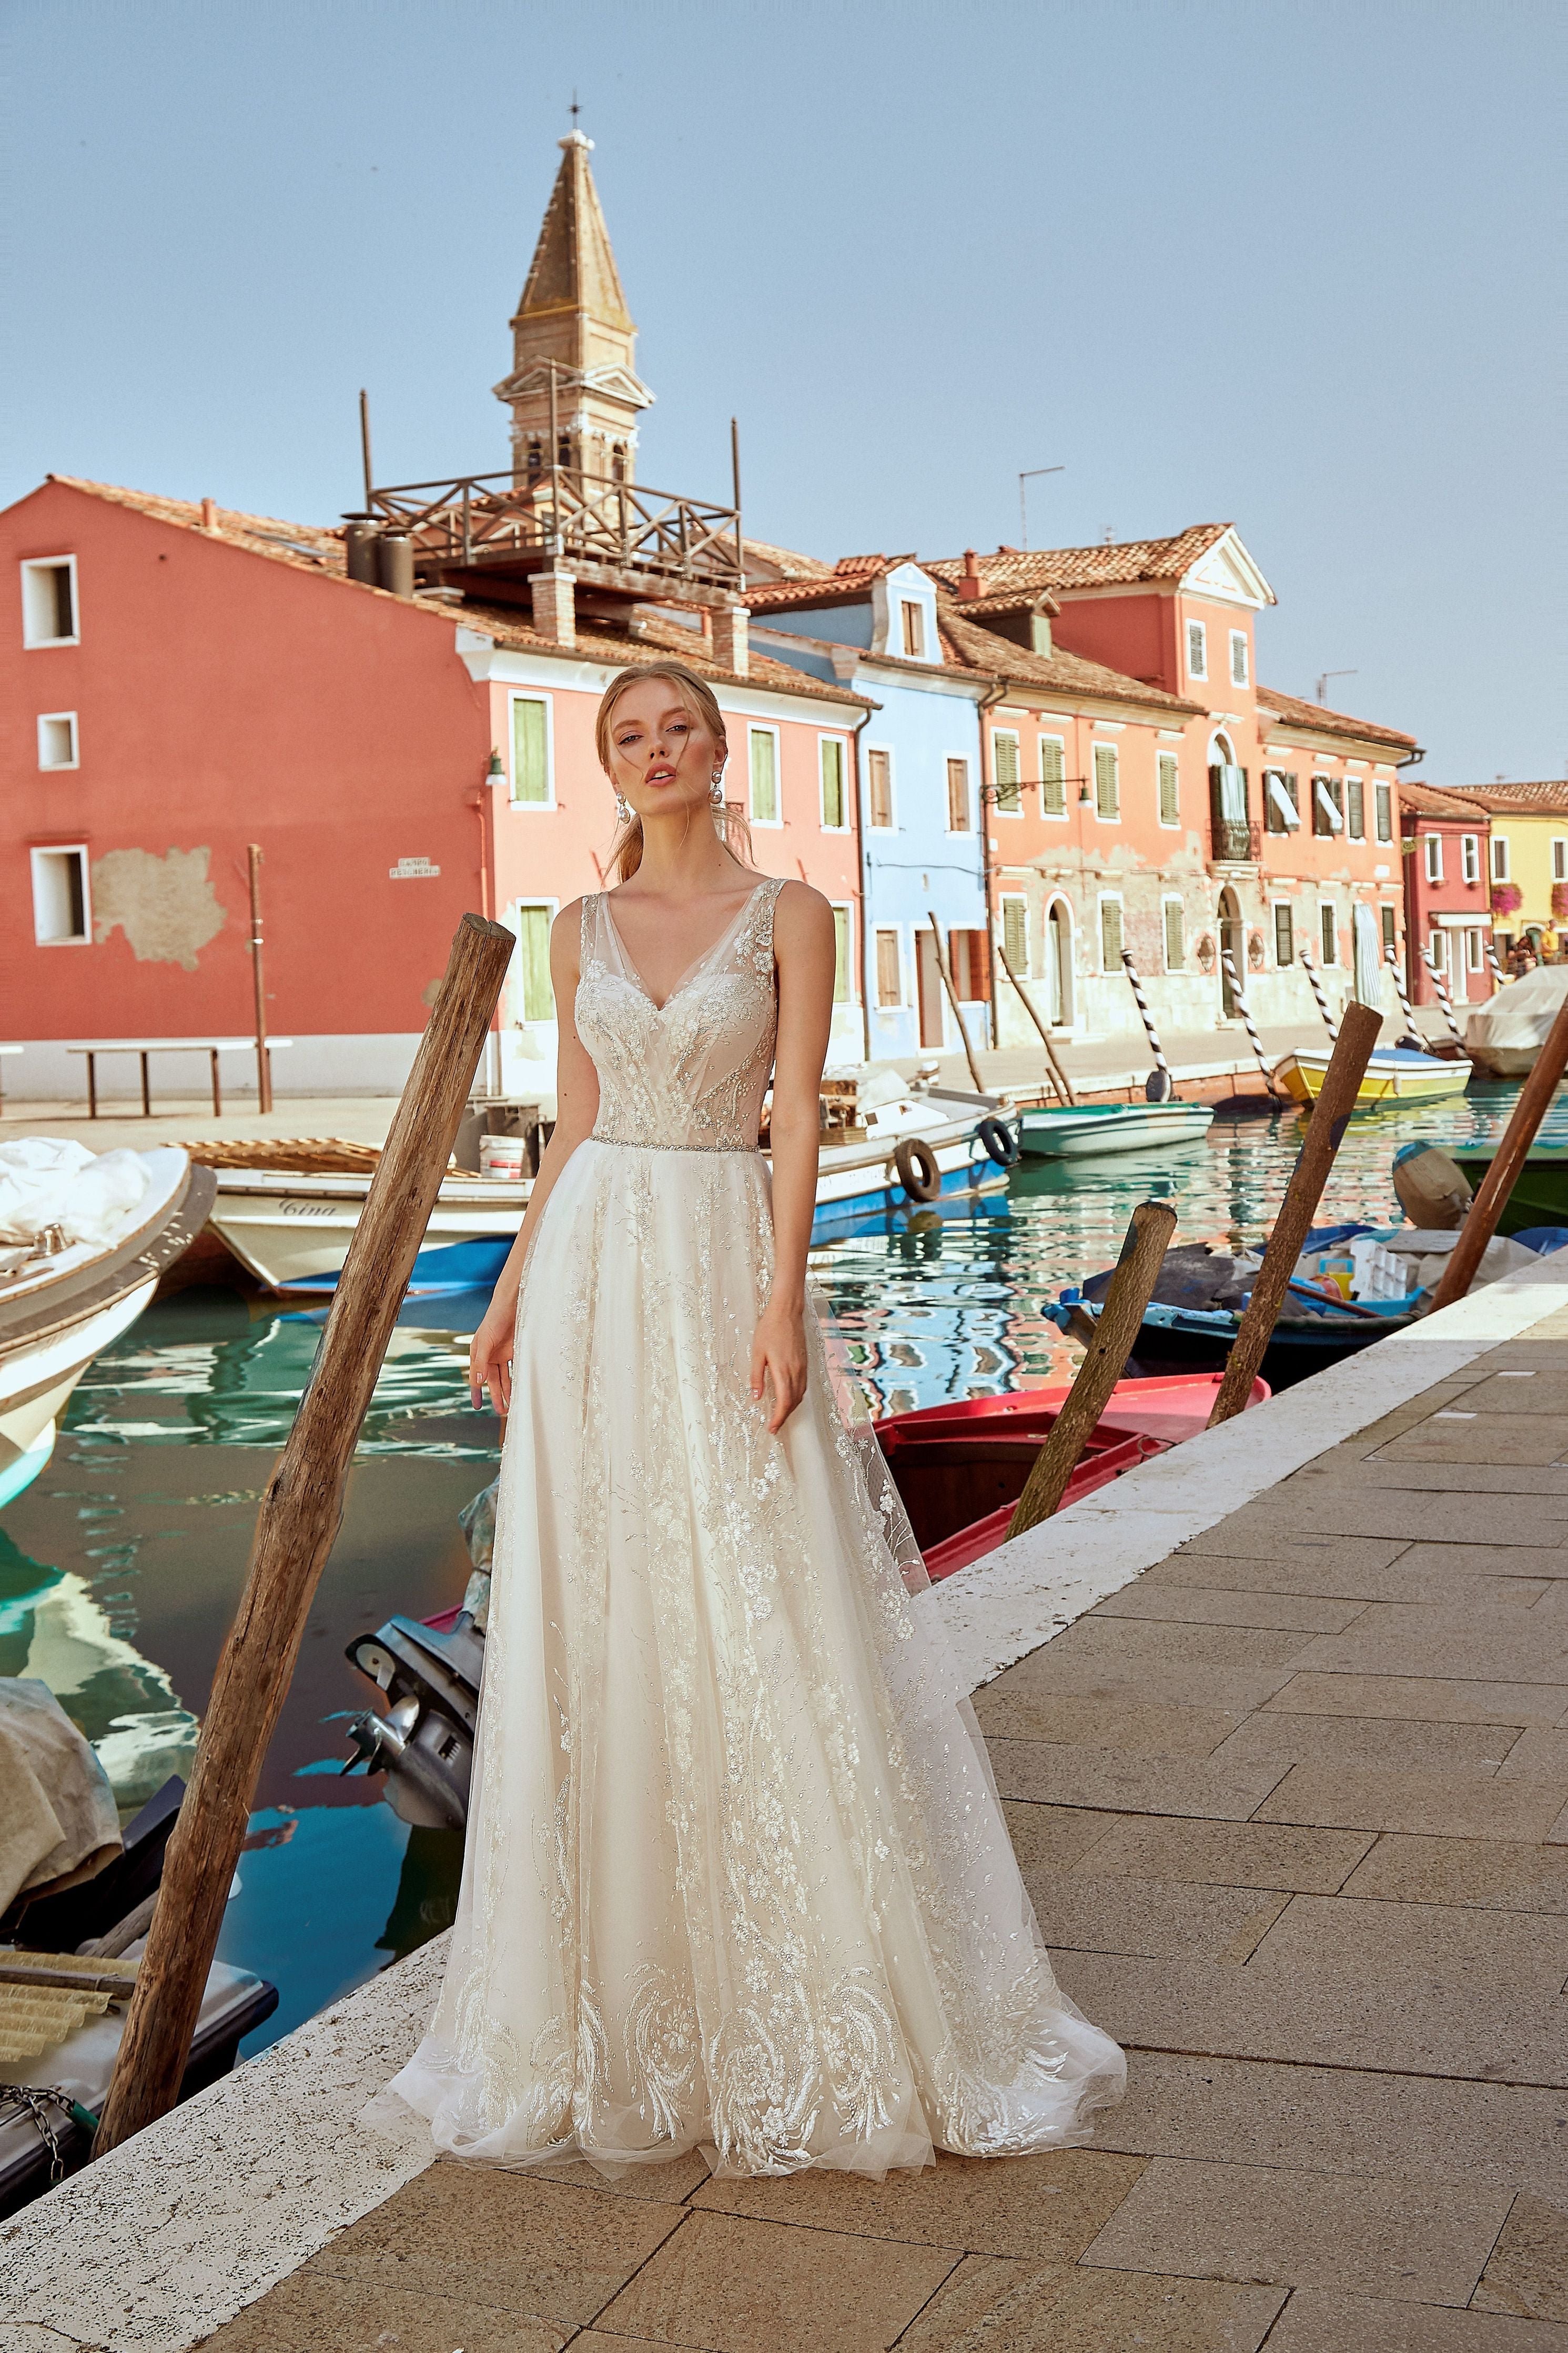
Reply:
x=1175, y=1340
x=1390, y=1081
x=1540, y=1195
x=1089, y=1131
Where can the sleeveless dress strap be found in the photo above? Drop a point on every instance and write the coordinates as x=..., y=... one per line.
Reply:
x=588, y=927
x=755, y=943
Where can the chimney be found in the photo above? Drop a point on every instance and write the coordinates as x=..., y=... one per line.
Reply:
x=732, y=639
x=209, y=514
x=970, y=585
x=555, y=606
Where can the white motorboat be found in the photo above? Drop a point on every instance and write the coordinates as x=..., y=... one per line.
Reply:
x=62, y=1301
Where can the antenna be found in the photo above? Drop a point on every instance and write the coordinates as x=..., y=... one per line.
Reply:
x=1023, y=496
x=365, y=443
x=1325, y=676
x=735, y=484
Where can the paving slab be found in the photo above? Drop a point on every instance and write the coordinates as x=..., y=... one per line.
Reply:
x=1502, y=1874
x=1317, y=2322
x=1386, y=1744
x=1530, y=1392
x=1242, y=1854
x=1409, y=1516
x=1256, y=1534
x=1479, y=1437
x=1526, y=2273
x=1502, y=1645
x=1516, y=1482
x=315, y=2311
x=1060, y=1774
x=1082, y=1914
x=1238, y=1646
x=1428, y=1699
x=987, y=2306
x=1099, y=1673
x=1454, y=1804
x=1405, y=2241
x=1419, y=1573
x=1054, y=1838
x=1514, y=1952
x=1013, y=1712
x=1220, y=1605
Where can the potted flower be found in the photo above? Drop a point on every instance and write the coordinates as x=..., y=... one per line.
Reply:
x=1560, y=901
x=1507, y=898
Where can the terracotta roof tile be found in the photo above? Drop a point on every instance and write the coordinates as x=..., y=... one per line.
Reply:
x=1425, y=800
x=970, y=647
x=1086, y=567
x=1548, y=797
x=1317, y=718
x=1009, y=600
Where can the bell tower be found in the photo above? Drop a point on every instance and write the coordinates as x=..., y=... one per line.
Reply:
x=574, y=341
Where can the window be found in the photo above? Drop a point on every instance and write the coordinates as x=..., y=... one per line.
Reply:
x=1281, y=801
x=1005, y=767
x=1438, y=953
x=1240, y=670
x=914, y=621
x=764, y=754
x=1472, y=951
x=60, y=908
x=1328, y=930
x=843, y=949
x=1432, y=849
x=1169, y=771
x=830, y=751
x=1328, y=807
x=958, y=796
x=1383, y=802
x=889, y=969
x=56, y=740
x=1053, y=776
x=1111, y=934
x=1390, y=923
x=1107, y=791
x=970, y=966
x=1284, y=934
x=1175, y=937
x=1559, y=859
x=1016, y=931
x=535, y=997
x=879, y=786
x=531, y=753
x=1471, y=857
x=1499, y=857
x=1197, y=650
x=1355, y=808
x=48, y=602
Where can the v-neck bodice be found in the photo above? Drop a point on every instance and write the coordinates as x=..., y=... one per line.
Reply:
x=688, y=1074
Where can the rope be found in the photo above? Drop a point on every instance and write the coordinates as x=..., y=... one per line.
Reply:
x=1238, y=997
x=1310, y=969
x=1154, y=1046
x=1444, y=1000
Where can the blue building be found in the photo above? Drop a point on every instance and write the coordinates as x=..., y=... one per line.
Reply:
x=871, y=624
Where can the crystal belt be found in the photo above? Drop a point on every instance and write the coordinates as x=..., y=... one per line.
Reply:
x=648, y=1144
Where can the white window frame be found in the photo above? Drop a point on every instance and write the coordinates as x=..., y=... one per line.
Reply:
x=1360, y=784
x=895, y=933
x=915, y=605
x=58, y=719
x=829, y=736
x=518, y=907
x=1275, y=794
x=1201, y=667
x=530, y=808
x=64, y=850
x=35, y=564
x=755, y=727
x=1102, y=900
x=1014, y=736
x=1471, y=857
x=1162, y=752
x=1002, y=899
x=1327, y=907
x=968, y=795
x=1432, y=856
x=1475, y=953
x=892, y=825
x=1500, y=858
x=1382, y=804
x=1095, y=749
x=1052, y=817
x=1322, y=798
x=1290, y=906
x=845, y=907
x=1239, y=642
x=1559, y=858
x=1172, y=898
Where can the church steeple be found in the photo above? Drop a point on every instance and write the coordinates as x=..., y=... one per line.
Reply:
x=573, y=314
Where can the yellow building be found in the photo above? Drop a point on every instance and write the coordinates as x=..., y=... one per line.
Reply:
x=1529, y=863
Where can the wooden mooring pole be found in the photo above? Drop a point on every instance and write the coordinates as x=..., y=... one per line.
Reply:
x=953, y=1000
x=295, y=1528
x=1059, y=1077
x=1481, y=1216
x=1325, y=1134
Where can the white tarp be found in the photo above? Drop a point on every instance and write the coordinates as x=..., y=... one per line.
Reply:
x=1369, y=966
x=1506, y=1034
x=48, y=1180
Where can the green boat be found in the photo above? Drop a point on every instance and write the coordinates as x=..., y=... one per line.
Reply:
x=1088, y=1131
x=1540, y=1195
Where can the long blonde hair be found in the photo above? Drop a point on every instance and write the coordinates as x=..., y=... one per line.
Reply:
x=729, y=819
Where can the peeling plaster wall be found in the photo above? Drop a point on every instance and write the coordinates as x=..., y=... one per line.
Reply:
x=166, y=906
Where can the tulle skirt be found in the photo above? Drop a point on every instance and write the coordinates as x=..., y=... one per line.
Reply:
x=737, y=1876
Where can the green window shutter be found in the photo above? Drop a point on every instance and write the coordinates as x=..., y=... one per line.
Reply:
x=1383, y=799
x=765, y=776
x=1053, y=777
x=840, y=955
x=1015, y=933
x=1176, y=941
x=1107, y=796
x=1004, y=755
x=529, y=753
x=537, y=997
x=1111, y=934
x=833, y=781
x=1355, y=814
x=1330, y=931
x=1169, y=789
x=1390, y=925
x=1284, y=934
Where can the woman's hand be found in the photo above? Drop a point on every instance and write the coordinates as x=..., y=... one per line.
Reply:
x=489, y=1353
x=778, y=1354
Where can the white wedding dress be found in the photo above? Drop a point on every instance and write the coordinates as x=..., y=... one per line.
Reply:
x=737, y=1876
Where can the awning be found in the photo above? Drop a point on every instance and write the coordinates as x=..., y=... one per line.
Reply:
x=1321, y=794
x=1284, y=806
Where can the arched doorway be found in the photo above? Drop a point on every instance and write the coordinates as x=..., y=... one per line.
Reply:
x=1058, y=965
x=1232, y=941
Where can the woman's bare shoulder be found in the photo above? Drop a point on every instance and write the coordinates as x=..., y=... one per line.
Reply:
x=802, y=915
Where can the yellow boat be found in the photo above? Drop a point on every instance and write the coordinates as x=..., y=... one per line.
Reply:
x=1395, y=1077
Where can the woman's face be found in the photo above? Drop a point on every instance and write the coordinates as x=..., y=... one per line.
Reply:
x=662, y=755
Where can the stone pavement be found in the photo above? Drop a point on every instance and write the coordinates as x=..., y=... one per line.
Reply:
x=1293, y=1806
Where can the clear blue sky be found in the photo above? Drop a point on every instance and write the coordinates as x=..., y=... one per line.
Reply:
x=1295, y=266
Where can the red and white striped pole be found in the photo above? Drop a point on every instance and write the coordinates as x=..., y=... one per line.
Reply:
x=1444, y=1000
x=1161, y=1085
x=1310, y=969
x=1238, y=997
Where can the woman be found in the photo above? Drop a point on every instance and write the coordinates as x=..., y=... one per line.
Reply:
x=736, y=1873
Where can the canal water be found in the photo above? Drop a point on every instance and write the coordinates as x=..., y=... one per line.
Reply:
x=120, y=1567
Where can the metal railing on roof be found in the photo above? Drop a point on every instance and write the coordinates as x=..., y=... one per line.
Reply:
x=624, y=528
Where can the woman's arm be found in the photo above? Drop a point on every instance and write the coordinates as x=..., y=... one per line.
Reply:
x=805, y=952
x=576, y=1109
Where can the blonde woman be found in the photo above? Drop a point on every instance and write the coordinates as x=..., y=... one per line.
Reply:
x=736, y=1877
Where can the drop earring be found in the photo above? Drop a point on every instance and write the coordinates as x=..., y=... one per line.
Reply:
x=623, y=810
x=716, y=789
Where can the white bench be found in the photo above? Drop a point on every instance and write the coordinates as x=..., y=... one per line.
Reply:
x=145, y=1047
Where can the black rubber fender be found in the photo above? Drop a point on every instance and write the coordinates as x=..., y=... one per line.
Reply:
x=918, y=1171
x=1001, y=1143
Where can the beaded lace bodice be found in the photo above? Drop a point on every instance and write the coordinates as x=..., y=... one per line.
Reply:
x=688, y=1074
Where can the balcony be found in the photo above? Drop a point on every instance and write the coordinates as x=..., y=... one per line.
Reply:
x=619, y=537
x=1234, y=841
